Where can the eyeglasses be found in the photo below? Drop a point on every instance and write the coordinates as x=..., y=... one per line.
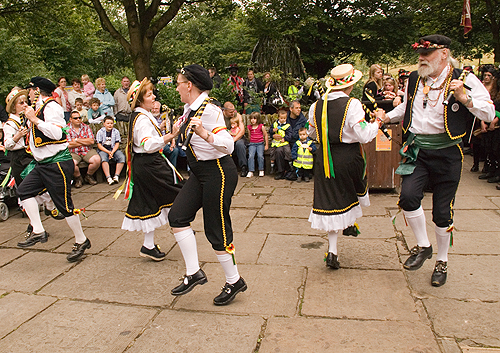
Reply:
x=179, y=82
x=77, y=118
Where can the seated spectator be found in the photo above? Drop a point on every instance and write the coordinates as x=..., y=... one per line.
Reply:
x=302, y=155
x=235, y=129
x=280, y=151
x=106, y=98
x=171, y=151
x=80, y=109
x=258, y=144
x=88, y=89
x=240, y=148
x=75, y=93
x=81, y=139
x=297, y=120
x=108, y=142
x=95, y=114
x=252, y=87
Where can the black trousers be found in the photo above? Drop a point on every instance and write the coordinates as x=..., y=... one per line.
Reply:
x=19, y=159
x=441, y=170
x=54, y=178
x=211, y=186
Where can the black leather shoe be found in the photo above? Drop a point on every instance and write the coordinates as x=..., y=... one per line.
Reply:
x=498, y=187
x=189, y=282
x=475, y=168
x=229, y=291
x=306, y=179
x=486, y=175
x=332, y=261
x=32, y=239
x=439, y=275
x=280, y=176
x=153, y=254
x=417, y=257
x=494, y=179
x=29, y=229
x=78, y=250
x=244, y=171
x=54, y=214
x=352, y=231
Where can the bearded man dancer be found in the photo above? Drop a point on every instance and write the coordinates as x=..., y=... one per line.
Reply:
x=434, y=122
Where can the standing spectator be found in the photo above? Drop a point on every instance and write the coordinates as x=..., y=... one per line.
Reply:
x=88, y=89
x=271, y=95
x=302, y=155
x=373, y=87
x=280, y=152
x=297, y=120
x=81, y=139
x=108, y=142
x=237, y=83
x=295, y=90
x=165, y=123
x=214, y=75
x=75, y=93
x=258, y=135
x=61, y=96
x=106, y=99
x=252, y=87
x=240, y=142
x=122, y=108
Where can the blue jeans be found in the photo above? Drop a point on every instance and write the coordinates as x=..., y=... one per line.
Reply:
x=171, y=155
x=252, y=148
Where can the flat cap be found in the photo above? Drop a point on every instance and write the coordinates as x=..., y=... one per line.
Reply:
x=42, y=83
x=431, y=42
x=198, y=75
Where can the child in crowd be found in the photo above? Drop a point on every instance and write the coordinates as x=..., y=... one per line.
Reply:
x=302, y=156
x=108, y=142
x=258, y=135
x=88, y=87
x=235, y=129
x=80, y=109
x=95, y=114
x=280, y=148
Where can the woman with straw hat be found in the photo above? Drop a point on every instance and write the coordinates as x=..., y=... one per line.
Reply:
x=340, y=187
x=210, y=186
x=152, y=182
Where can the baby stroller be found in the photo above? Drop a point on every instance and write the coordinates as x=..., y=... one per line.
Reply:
x=7, y=190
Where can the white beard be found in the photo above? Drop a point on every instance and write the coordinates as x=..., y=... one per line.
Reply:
x=427, y=68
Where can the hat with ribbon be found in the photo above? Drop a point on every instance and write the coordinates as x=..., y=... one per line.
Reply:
x=198, y=75
x=133, y=92
x=43, y=83
x=342, y=76
x=431, y=42
x=12, y=96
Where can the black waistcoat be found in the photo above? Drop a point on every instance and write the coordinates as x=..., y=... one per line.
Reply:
x=336, y=113
x=39, y=138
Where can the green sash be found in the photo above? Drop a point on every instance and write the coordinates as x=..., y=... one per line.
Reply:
x=60, y=156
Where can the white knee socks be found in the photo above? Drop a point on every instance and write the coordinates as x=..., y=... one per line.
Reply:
x=76, y=227
x=187, y=244
x=332, y=241
x=416, y=220
x=230, y=269
x=149, y=240
x=443, y=242
x=31, y=207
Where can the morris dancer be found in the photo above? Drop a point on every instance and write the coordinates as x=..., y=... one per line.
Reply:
x=52, y=168
x=433, y=149
x=340, y=186
x=210, y=186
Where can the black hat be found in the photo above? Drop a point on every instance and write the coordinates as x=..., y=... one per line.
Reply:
x=44, y=84
x=432, y=42
x=233, y=67
x=198, y=75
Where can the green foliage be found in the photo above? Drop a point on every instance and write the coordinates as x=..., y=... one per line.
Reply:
x=170, y=97
x=224, y=93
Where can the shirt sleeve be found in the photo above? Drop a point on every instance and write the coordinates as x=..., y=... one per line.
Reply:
x=9, y=133
x=223, y=141
x=145, y=138
x=355, y=119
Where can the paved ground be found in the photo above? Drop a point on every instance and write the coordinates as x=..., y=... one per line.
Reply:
x=116, y=301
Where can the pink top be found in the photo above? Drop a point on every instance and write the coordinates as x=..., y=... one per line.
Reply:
x=234, y=131
x=89, y=89
x=256, y=135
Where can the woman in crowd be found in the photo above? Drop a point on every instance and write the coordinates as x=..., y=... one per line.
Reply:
x=374, y=85
x=270, y=94
x=61, y=96
x=210, y=186
x=152, y=183
x=106, y=98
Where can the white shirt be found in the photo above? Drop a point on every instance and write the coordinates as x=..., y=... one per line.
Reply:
x=356, y=129
x=430, y=120
x=51, y=127
x=211, y=118
x=146, y=137
x=9, y=130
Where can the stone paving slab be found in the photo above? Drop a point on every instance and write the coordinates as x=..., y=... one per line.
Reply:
x=474, y=243
x=32, y=271
x=362, y=253
x=261, y=190
x=291, y=196
x=479, y=350
x=85, y=199
x=270, y=182
x=107, y=202
x=240, y=218
x=326, y=335
x=283, y=226
x=7, y=255
x=471, y=220
x=272, y=290
x=59, y=234
x=248, y=247
x=285, y=211
x=469, y=277
x=129, y=243
x=473, y=320
x=495, y=200
x=11, y=230
x=358, y=294
x=250, y=201
x=99, y=239
x=474, y=202
x=109, y=219
x=72, y=326
x=376, y=227
x=136, y=281
x=180, y=331
x=17, y=308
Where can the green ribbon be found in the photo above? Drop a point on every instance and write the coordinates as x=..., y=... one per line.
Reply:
x=60, y=156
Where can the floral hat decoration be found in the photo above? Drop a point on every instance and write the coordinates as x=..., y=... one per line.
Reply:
x=342, y=76
x=133, y=92
x=431, y=42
